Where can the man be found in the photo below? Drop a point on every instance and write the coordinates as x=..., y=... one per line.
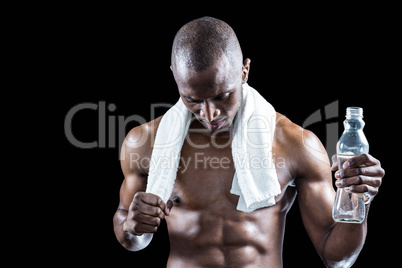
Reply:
x=205, y=228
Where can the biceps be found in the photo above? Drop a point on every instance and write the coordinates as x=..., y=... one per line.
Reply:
x=135, y=177
x=131, y=185
x=315, y=201
x=314, y=186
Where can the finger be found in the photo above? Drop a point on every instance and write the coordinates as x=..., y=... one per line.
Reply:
x=151, y=199
x=359, y=160
x=152, y=211
x=358, y=180
x=145, y=228
x=155, y=201
x=142, y=224
x=362, y=189
x=169, y=206
x=148, y=220
x=334, y=166
x=373, y=171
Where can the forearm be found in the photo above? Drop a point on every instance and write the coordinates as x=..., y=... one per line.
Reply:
x=129, y=241
x=344, y=243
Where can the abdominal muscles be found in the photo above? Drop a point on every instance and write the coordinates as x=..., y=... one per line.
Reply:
x=208, y=240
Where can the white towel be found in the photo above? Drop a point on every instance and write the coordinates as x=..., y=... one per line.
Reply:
x=255, y=179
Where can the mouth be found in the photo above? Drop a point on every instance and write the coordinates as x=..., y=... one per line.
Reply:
x=215, y=124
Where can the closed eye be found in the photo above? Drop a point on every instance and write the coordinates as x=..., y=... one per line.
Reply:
x=191, y=100
x=223, y=96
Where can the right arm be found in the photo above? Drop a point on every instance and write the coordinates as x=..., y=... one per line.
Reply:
x=139, y=214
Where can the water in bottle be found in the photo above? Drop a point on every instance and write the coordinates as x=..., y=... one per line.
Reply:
x=349, y=207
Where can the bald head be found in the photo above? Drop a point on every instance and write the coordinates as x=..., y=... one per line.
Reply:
x=199, y=43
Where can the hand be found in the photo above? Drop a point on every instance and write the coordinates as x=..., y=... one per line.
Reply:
x=360, y=174
x=145, y=213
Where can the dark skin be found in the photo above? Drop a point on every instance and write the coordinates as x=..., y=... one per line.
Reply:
x=205, y=229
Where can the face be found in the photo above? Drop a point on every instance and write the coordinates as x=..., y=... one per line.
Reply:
x=214, y=95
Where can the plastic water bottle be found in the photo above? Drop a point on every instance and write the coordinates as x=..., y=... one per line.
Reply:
x=349, y=207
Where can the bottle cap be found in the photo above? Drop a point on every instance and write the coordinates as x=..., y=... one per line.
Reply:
x=354, y=112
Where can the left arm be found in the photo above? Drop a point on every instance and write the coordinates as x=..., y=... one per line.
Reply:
x=338, y=244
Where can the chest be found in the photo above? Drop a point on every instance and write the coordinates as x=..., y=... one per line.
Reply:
x=205, y=173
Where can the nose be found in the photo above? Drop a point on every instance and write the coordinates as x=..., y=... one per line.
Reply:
x=209, y=111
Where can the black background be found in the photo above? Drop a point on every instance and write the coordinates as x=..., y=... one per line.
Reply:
x=302, y=58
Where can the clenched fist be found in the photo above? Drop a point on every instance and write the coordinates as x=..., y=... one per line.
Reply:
x=145, y=213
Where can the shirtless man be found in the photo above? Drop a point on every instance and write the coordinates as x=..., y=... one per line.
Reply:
x=204, y=227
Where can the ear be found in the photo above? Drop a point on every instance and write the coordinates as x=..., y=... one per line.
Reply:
x=245, y=70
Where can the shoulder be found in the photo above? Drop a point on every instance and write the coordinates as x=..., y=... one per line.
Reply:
x=138, y=144
x=142, y=135
x=287, y=132
x=303, y=148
